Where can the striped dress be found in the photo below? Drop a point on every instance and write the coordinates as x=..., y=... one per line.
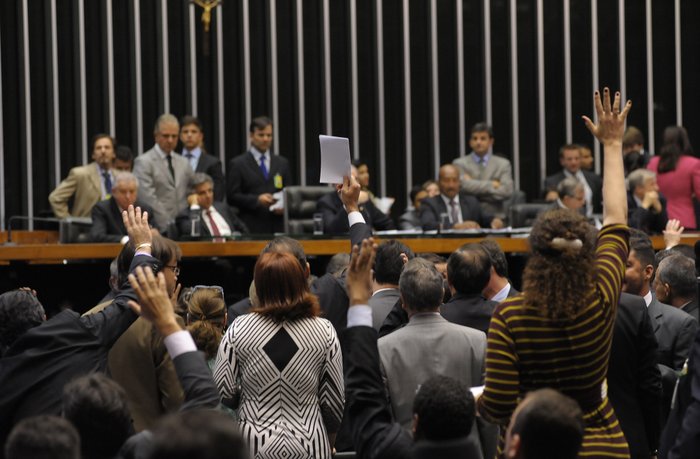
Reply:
x=526, y=351
x=291, y=376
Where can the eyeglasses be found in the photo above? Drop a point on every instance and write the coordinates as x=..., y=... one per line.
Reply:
x=176, y=269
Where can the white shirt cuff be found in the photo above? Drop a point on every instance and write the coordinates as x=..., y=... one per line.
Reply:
x=359, y=316
x=355, y=217
x=179, y=343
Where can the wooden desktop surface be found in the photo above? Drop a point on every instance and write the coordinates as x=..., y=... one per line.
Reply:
x=42, y=247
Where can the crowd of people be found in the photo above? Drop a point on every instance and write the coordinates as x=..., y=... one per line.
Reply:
x=389, y=353
x=189, y=197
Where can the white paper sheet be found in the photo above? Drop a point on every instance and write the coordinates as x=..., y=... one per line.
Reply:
x=279, y=204
x=335, y=158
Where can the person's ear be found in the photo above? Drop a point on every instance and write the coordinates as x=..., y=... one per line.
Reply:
x=404, y=258
x=648, y=272
x=513, y=449
x=414, y=425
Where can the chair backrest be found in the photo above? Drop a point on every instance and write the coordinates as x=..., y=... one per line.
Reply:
x=300, y=206
x=522, y=215
x=74, y=229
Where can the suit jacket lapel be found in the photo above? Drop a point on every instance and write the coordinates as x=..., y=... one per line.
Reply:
x=657, y=316
x=96, y=178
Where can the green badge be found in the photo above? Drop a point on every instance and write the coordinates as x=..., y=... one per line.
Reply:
x=278, y=181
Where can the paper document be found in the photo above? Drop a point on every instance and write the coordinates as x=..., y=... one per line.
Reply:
x=335, y=158
x=279, y=204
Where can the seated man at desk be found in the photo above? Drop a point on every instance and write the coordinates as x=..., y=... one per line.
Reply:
x=335, y=218
x=107, y=221
x=210, y=219
x=462, y=211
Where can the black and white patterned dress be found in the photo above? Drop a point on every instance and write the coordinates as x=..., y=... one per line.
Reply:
x=291, y=377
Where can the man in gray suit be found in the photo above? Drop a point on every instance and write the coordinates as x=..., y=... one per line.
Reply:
x=164, y=178
x=485, y=176
x=388, y=264
x=409, y=355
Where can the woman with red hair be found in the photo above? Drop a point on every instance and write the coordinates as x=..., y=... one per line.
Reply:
x=283, y=366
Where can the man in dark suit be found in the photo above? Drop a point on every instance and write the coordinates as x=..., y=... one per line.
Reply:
x=468, y=273
x=192, y=138
x=570, y=160
x=462, y=210
x=681, y=436
x=634, y=380
x=391, y=257
x=443, y=407
x=107, y=222
x=499, y=287
x=674, y=329
x=335, y=219
x=646, y=206
x=675, y=283
x=216, y=219
x=46, y=357
x=253, y=177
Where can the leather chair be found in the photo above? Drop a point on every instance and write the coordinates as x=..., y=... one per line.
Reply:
x=522, y=215
x=74, y=230
x=300, y=207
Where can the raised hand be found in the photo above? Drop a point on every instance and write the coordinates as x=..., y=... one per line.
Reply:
x=359, y=278
x=672, y=233
x=154, y=303
x=137, y=228
x=611, y=122
x=350, y=193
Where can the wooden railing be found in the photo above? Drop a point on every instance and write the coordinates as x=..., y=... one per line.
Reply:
x=43, y=247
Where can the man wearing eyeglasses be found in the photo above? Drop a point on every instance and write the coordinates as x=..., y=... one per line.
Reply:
x=216, y=219
x=139, y=360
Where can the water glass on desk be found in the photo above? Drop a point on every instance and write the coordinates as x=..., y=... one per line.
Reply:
x=318, y=224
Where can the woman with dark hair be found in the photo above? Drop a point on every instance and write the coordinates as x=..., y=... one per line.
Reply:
x=557, y=333
x=284, y=364
x=678, y=175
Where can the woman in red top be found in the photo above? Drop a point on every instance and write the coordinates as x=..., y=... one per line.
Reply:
x=678, y=175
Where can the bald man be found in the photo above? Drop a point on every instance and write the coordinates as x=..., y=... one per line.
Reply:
x=462, y=211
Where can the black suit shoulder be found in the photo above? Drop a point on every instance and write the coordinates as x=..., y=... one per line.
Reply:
x=211, y=165
x=634, y=379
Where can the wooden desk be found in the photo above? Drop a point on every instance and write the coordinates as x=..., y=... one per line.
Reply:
x=48, y=253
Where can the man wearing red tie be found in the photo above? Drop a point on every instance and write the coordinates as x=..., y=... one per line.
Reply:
x=216, y=219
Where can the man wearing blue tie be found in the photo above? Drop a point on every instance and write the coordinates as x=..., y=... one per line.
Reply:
x=253, y=177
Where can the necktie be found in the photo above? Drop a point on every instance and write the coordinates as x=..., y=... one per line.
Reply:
x=214, y=229
x=170, y=166
x=263, y=167
x=108, y=182
x=454, y=213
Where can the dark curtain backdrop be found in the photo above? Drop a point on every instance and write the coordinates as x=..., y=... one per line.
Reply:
x=42, y=134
